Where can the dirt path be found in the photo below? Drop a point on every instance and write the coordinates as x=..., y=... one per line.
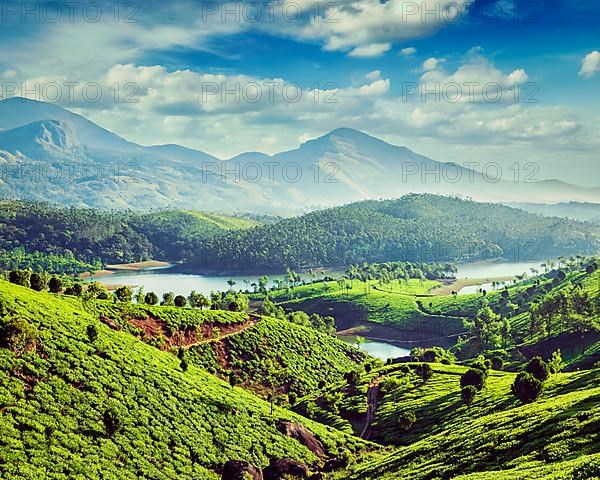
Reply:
x=372, y=396
x=245, y=326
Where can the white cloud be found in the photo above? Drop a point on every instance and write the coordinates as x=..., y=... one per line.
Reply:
x=357, y=23
x=371, y=50
x=431, y=64
x=590, y=65
x=374, y=75
x=408, y=51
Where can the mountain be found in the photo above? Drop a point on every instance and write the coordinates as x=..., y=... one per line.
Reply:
x=588, y=212
x=49, y=152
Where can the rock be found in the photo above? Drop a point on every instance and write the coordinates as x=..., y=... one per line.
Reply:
x=239, y=470
x=278, y=469
x=299, y=432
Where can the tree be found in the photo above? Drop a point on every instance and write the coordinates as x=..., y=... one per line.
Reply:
x=468, y=393
x=406, y=421
x=197, y=300
x=97, y=290
x=55, y=284
x=538, y=368
x=168, y=299
x=139, y=296
x=556, y=363
x=231, y=282
x=474, y=377
x=20, y=277
x=38, y=281
x=151, y=298
x=180, y=301
x=526, y=387
x=124, y=294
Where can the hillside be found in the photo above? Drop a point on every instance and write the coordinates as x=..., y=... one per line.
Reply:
x=414, y=228
x=267, y=356
x=78, y=398
x=74, y=240
x=554, y=437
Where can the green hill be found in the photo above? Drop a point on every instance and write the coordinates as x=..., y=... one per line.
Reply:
x=74, y=240
x=414, y=228
x=79, y=399
x=552, y=436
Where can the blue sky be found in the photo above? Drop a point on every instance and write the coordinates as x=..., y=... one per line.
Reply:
x=322, y=65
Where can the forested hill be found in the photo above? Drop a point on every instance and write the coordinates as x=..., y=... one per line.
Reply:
x=413, y=228
x=69, y=239
x=420, y=228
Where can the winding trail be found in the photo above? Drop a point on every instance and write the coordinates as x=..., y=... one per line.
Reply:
x=372, y=396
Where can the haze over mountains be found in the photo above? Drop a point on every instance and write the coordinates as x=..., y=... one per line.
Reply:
x=49, y=152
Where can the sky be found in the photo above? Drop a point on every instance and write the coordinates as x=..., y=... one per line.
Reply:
x=510, y=81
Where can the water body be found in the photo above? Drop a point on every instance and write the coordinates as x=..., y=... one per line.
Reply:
x=496, y=269
x=377, y=348
x=165, y=280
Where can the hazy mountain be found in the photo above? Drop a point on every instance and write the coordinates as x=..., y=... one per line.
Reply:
x=589, y=212
x=47, y=152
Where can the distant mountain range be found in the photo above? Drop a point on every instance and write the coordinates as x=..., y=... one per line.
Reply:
x=49, y=153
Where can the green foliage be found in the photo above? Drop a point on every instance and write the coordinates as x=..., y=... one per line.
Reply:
x=124, y=294
x=410, y=228
x=55, y=284
x=122, y=409
x=406, y=421
x=527, y=387
x=556, y=364
x=468, y=393
x=151, y=298
x=279, y=354
x=474, y=377
x=538, y=368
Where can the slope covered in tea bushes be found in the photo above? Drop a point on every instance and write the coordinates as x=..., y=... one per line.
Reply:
x=80, y=400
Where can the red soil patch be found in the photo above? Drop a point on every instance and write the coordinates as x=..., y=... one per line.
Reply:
x=153, y=327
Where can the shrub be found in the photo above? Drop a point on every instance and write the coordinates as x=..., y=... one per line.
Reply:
x=352, y=378
x=92, y=333
x=113, y=421
x=38, y=281
x=180, y=301
x=124, y=294
x=556, y=363
x=20, y=277
x=526, y=387
x=497, y=363
x=473, y=377
x=538, y=368
x=20, y=336
x=406, y=421
x=424, y=371
x=151, y=298
x=468, y=394
x=55, y=285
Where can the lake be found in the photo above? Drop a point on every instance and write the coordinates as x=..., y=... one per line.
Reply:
x=377, y=348
x=495, y=269
x=165, y=280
